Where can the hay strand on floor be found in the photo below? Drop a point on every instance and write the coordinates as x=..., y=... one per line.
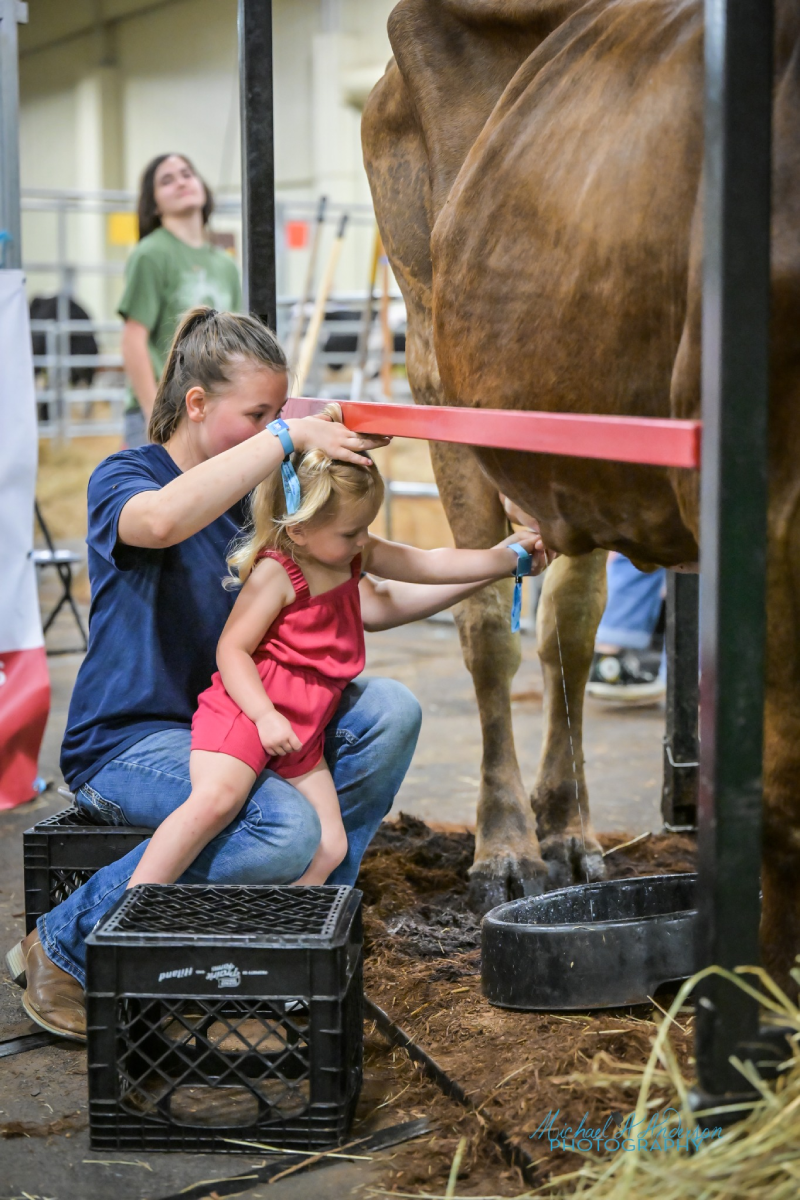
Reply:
x=757, y=1158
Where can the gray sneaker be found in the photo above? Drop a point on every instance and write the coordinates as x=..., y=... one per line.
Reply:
x=624, y=678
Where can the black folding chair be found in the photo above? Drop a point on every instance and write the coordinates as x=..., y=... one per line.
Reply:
x=63, y=561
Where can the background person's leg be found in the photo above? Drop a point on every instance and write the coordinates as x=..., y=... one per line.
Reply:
x=134, y=429
x=271, y=841
x=369, y=747
x=632, y=607
x=625, y=668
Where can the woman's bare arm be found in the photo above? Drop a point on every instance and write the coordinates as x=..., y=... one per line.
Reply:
x=156, y=519
x=138, y=367
x=386, y=603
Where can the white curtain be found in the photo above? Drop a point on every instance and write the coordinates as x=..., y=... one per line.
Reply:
x=24, y=682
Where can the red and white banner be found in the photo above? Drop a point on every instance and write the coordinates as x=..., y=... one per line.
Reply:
x=24, y=681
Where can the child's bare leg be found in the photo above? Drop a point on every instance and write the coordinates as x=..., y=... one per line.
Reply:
x=220, y=786
x=317, y=787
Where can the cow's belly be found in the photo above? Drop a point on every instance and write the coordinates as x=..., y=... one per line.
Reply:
x=582, y=504
x=560, y=272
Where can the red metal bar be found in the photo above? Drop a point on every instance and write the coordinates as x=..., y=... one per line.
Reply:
x=652, y=440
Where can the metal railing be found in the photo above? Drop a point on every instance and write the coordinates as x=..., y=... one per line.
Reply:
x=66, y=410
x=100, y=404
x=59, y=397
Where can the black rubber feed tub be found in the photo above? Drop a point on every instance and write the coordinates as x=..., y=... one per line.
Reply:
x=597, y=945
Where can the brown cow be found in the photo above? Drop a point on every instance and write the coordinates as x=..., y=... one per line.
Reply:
x=535, y=167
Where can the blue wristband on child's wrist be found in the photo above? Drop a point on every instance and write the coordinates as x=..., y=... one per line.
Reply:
x=523, y=567
x=291, y=484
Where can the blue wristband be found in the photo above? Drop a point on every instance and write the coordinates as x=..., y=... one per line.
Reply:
x=291, y=484
x=524, y=560
x=524, y=564
x=280, y=430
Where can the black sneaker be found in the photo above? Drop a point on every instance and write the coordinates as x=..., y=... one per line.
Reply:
x=625, y=678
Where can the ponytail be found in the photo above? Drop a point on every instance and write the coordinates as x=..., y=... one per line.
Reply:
x=326, y=487
x=204, y=348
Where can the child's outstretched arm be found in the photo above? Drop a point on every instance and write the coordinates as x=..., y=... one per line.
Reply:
x=267, y=590
x=391, y=560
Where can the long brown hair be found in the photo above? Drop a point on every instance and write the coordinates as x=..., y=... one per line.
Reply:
x=206, y=345
x=149, y=217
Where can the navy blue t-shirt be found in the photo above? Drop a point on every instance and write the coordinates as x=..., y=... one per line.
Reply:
x=154, y=622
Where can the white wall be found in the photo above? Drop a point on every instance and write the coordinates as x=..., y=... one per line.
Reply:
x=98, y=103
x=180, y=88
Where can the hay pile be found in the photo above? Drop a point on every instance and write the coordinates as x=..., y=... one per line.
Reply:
x=758, y=1158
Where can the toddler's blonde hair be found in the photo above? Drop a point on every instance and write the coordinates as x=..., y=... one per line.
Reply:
x=326, y=486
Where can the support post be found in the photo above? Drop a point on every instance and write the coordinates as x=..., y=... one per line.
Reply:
x=258, y=159
x=679, y=794
x=12, y=13
x=735, y=392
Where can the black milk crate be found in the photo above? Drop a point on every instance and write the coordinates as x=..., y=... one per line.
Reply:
x=225, y=1012
x=65, y=850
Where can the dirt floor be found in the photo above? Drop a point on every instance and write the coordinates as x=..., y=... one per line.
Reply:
x=423, y=969
x=422, y=962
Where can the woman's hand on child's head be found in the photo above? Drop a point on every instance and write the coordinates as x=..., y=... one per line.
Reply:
x=277, y=735
x=335, y=439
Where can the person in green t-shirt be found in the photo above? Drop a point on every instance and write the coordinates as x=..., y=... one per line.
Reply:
x=173, y=268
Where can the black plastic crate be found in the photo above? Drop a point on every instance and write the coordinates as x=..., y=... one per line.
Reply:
x=218, y=1013
x=65, y=850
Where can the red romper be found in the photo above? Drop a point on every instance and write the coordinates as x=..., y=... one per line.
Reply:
x=311, y=651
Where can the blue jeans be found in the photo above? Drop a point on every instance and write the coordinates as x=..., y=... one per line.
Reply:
x=633, y=605
x=368, y=747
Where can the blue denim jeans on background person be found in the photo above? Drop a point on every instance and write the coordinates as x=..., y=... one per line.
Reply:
x=633, y=605
x=368, y=747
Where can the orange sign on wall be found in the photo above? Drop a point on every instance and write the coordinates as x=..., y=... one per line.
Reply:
x=296, y=235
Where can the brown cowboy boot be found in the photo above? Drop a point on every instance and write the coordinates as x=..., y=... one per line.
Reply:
x=53, y=998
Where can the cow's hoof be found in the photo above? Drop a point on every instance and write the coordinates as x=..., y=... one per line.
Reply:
x=570, y=861
x=494, y=881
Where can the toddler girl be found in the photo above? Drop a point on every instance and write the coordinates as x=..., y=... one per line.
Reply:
x=293, y=642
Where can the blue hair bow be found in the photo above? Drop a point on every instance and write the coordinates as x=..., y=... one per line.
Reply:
x=291, y=484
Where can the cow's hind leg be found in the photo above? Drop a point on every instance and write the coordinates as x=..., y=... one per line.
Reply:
x=508, y=863
x=780, y=871
x=571, y=605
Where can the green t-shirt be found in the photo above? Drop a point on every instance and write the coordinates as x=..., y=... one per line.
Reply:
x=164, y=278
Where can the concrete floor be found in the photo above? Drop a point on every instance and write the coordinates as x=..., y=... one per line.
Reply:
x=43, y=1092
x=622, y=746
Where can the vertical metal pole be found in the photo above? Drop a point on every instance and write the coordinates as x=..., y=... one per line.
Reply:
x=60, y=373
x=12, y=13
x=735, y=388
x=258, y=159
x=679, y=795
